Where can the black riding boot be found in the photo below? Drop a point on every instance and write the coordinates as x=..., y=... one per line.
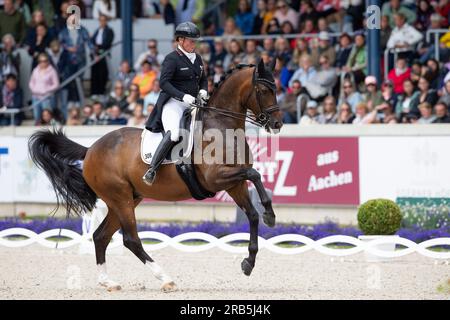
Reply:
x=160, y=154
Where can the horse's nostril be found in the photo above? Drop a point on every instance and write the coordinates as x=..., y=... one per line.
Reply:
x=278, y=125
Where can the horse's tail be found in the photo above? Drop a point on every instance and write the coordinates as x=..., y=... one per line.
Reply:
x=60, y=158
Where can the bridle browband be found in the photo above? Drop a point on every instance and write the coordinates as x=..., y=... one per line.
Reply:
x=262, y=119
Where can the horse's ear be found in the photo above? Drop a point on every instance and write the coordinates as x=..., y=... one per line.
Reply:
x=261, y=67
x=272, y=64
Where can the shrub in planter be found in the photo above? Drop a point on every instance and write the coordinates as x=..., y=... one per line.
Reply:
x=379, y=217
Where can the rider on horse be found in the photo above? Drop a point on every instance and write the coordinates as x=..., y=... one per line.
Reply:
x=182, y=79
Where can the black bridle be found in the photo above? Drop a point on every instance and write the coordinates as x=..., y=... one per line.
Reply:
x=262, y=119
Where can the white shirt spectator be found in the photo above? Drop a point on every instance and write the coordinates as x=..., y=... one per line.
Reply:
x=101, y=8
x=406, y=34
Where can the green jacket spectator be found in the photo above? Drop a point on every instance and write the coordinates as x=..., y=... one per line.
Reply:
x=12, y=22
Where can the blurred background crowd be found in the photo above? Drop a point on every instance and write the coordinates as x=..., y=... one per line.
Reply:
x=319, y=46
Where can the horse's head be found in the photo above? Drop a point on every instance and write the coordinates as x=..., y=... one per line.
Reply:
x=264, y=101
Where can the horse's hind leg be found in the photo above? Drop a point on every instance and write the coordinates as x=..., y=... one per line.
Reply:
x=133, y=243
x=240, y=195
x=102, y=236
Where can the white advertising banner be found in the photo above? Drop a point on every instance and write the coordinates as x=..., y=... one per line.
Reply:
x=392, y=167
x=20, y=180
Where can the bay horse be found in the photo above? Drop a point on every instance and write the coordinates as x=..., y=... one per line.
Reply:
x=112, y=169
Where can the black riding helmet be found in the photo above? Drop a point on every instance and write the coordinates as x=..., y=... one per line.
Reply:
x=187, y=30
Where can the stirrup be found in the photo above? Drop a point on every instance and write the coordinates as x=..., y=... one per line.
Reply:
x=149, y=176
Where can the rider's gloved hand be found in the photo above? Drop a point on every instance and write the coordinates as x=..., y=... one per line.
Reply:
x=203, y=95
x=187, y=98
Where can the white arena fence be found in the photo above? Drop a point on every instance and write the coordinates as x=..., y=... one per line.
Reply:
x=223, y=243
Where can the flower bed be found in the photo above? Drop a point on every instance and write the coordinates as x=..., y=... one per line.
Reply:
x=217, y=229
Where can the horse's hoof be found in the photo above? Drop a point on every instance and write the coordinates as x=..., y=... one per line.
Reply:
x=169, y=287
x=246, y=267
x=111, y=286
x=269, y=220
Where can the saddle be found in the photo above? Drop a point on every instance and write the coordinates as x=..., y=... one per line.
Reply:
x=186, y=170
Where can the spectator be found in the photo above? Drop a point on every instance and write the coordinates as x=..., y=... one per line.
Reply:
x=269, y=46
x=403, y=106
x=230, y=31
x=133, y=99
x=426, y=94
x=138, y=118
x=273, y=27
x=87, y=113
x=261, y=18
x=289, y=102
x=152, y=53
x=287, y=28
x=387, y=91
x=307, y=29
x=99, y=116
x=38, y=42
x=125, y=74
x=323, y=82
x=426, y=113
x=428, y=49
x=116, y=118
x=24, y=9
x=353, y=15
x=244, y=17
x=219, y=72
x=61, y=18
x=279, y=91
x=399, y=74
x=436, y=74
x=74, y=117
x=305, y=72
x=9, y=58
x=441, y=111
x=204, y=50
x=387, y=115
x=373, y=96
x=445, y=93
x=393, y=7
x=363, y=115
x=385, y=32
x=251, y=52
x=311, y=115
x=343, y=53
x=219, y=52
x=145, y=78
x=350, y=95
x=282, y=49
x=307, y=11
x=117, y=96
x=164, y=10
x=11, y=98
x=270, y=13
x=47, y=119
x=329, y=115
x=38, y=19
x=357, y=61
x=235, y=53
x=59, y=58
x=43, y=82
x=186, y=10
x=442, y=8
x=322, y=47
x=105, y=8
x=403, y=36
x=12, y=22
x=102, y=39
x=345, y=115
x=47, y=8
x=285, y=13
x=424, y=12
x=153, y=95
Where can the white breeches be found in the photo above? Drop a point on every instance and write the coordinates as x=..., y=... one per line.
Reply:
x=171, y=116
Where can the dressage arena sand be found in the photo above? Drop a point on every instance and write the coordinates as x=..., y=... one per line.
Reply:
x=36, y=272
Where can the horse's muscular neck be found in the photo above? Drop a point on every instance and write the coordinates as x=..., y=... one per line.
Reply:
x=231, y=95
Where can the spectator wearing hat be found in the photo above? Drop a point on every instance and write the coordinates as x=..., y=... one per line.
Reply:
x=441, y=112
x=426, y=113
x=146, y=77
x=323, y=47
x=311, y=115
x=399, y=74
x=372, y=96
x=12, y=22
x=343, y=53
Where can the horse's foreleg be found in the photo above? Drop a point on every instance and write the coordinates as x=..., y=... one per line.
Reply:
x=102, y=236
x=269, y=214
x=133, y=243
x=240, y=195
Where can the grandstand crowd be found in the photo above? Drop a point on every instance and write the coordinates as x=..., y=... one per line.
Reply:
x=321, y=73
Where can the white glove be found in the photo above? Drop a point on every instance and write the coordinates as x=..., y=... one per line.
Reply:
x=187, y=98
x=203, y=94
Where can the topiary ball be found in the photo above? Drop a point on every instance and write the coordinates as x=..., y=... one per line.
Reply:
x=379, y=217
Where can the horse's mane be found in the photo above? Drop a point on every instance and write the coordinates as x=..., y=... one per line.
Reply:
x=230, y=72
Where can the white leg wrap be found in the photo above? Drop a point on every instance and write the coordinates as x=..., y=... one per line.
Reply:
x=103, y=278
x=158, y=272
